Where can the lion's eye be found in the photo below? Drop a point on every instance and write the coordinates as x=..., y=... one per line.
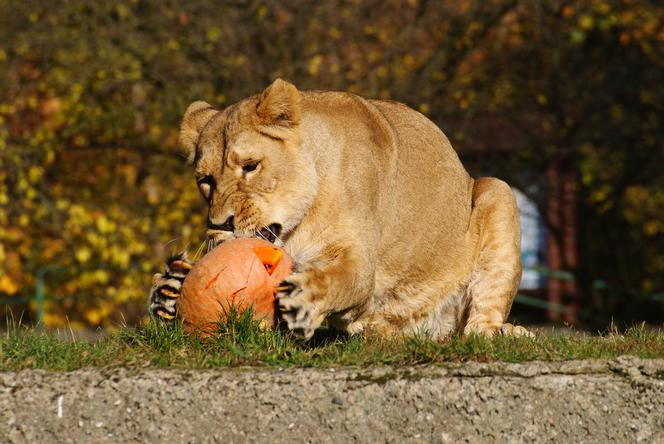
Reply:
x=249, y=167
x=205, y=185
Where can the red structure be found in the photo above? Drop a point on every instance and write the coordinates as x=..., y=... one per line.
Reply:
x=562, y=242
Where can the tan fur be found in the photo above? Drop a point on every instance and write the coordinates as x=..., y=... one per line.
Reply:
x=389, y=231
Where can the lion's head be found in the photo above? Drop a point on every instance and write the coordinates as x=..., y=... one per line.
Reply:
x=249, y=164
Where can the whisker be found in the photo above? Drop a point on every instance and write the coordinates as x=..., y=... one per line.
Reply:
x=171, y=241
x=199, y=250
x=274, y=234
x=258, y=232
x=177, y=250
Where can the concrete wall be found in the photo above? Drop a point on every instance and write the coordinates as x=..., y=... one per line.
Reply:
x=570, y=402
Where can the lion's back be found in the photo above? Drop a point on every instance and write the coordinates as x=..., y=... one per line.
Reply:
x=422, y=190
x=431, y=181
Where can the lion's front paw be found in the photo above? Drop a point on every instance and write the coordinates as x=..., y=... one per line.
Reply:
x=166, y=287
x=296, y=301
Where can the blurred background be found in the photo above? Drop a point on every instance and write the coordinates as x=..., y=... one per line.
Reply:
x=562, y=99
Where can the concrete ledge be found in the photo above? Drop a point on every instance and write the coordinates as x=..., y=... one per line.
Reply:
x=577, y=401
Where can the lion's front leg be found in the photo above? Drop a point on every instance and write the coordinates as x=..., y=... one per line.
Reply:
x=166, y=287
x=337, y=282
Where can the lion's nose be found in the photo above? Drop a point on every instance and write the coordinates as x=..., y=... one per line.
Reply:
x=228, y=225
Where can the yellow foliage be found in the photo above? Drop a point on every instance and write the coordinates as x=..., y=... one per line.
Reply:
x=652, y=227
x=261, y=12
x=335, y=33
x=172, y=45
x=314, y=64
x=603, y=8
x=105, y=226
x=35, y=173
x=8, y=285
x=213, y=34
x=586, y=22
x=54, y=320
x=83, y=254
x=93, y=316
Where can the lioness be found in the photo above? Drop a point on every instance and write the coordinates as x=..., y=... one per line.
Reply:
x=389, y=232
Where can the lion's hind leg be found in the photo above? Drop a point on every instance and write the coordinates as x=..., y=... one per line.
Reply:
x=497, y=269
x=515, y=330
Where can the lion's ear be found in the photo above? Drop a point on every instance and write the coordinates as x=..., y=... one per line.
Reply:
x=279, y=104
x=198, y=114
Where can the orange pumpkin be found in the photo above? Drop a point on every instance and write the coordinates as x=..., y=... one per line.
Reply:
x=237, y=274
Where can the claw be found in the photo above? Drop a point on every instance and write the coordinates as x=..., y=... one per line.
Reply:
x=182, y=265
x=286, y=287
x=169, y=293
x=164, y=314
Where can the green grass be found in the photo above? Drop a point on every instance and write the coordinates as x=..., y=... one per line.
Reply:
x=241, y=343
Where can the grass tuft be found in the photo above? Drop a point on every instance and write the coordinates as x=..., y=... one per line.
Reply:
x=241, y=342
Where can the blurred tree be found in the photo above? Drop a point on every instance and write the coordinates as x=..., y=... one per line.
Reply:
x=91, y=179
